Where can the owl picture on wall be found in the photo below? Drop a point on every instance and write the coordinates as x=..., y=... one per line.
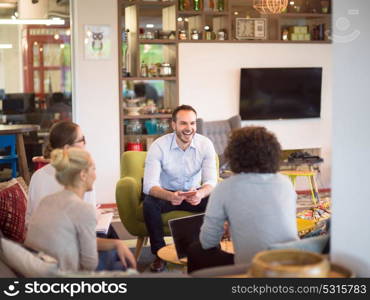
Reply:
x=97, y=42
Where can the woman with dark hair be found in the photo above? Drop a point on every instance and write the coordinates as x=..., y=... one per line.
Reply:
x=258, y=203
x=62, y=135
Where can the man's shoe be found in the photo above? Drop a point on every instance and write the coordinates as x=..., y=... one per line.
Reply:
x=157, y=265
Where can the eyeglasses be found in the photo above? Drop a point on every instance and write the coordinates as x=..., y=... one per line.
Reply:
x=81, y=140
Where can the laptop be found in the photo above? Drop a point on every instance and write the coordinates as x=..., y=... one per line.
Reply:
x=185, y=231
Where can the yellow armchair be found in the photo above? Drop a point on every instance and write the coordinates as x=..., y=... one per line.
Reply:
x=129, y=202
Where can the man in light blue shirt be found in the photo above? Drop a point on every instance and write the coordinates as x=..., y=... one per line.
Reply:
x=178, y=162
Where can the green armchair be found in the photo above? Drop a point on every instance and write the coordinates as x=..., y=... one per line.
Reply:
x=129, y=202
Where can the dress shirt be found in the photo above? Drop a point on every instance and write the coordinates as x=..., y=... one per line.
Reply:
x=174, y=169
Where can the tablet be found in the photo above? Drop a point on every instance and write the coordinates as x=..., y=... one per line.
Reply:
x=187, y=194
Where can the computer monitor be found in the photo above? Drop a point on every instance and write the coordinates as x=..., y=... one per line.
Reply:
x=18, y=103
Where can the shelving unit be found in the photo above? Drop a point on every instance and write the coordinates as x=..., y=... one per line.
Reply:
x=153, y=36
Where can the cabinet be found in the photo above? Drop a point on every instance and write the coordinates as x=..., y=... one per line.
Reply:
x=151, y=31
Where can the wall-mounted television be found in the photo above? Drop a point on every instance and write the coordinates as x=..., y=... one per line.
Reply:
x=280, y=93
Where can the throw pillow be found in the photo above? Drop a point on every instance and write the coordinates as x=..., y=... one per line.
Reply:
x=26, y=263
x=12, y=181
x=313, y=244
x=13, y=205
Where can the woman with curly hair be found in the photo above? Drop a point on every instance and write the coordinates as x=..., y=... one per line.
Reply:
x=258, y=203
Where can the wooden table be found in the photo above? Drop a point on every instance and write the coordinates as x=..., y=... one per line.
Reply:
x=19, y=130
x=168, y=253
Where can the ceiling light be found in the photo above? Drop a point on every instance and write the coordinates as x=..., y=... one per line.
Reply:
x=270, y=6
x=6, y=46
x=32, y=22
x=7, y=5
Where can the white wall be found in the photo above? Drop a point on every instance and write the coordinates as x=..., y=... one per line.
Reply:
x=96, y=94
x=11, y=71
x=350, y=243
x=210, y=77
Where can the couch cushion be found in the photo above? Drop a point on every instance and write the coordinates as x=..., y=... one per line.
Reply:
x=313, y=244
x=25, y=262
x=13, y=204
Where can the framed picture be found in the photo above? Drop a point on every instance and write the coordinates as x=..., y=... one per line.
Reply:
x=98, y=42
x=251, y=28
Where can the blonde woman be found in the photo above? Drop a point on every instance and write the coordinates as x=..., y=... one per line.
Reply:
x=63, y=225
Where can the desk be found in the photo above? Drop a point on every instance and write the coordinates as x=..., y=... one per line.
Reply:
x=168, y=253
x=19, y=130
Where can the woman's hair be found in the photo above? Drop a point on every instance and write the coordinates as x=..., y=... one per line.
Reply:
x=61, y=134
x=69, y=163
x=253, y=150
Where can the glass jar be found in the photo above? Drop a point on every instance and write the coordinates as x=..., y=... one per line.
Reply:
x=134, y=127
x=182, y=35
x=195, y=34
x=221, y=35
x=163, y=126
x=165, y=70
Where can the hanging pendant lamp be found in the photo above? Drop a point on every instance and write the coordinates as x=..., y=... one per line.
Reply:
x=270, y=6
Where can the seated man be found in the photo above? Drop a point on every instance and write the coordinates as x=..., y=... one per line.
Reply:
x=258, y=203
x=177, y=162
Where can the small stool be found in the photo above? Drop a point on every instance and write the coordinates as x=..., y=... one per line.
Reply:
x=310, y=175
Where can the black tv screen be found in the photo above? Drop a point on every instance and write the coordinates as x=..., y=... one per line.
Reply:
x=280, y=93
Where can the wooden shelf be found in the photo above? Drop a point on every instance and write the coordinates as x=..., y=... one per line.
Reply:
x=304, y=15
x=216, y=13
x=148, y=116
x=190, y=13
x=134, y=14
x=157, y=41
x=149, y=3
x=255, y=41
x=164, y=78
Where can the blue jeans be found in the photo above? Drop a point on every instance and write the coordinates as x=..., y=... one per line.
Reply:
x=153, y=208
x=109, y=261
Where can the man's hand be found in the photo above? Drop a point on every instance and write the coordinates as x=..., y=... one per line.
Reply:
x=125, y=255
x=176, y=199
x=195, y=200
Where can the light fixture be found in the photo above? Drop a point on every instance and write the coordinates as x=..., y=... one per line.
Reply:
x=54, y=21
x=270, y=6
x=6, y=46
x=7, y=5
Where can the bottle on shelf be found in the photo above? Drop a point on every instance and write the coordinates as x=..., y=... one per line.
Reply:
x=181, y=5
x=126, y=59
x=196, y=5
x=144, y=69
x=220, y=5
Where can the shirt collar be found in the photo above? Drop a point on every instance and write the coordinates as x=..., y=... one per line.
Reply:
x=174, y=144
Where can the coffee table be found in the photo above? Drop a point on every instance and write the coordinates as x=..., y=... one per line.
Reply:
x=168, y=253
